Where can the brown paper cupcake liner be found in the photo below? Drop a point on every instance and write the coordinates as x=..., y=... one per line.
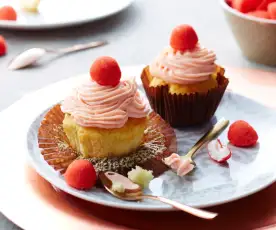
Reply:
x=159, y=142
x=184, y=110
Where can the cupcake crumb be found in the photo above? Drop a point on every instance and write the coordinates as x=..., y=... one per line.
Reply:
x=118, y=187
x=140, y=176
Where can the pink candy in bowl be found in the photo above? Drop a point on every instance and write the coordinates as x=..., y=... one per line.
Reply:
x=253, y=27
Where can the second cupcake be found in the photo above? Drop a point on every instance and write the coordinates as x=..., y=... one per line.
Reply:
x=183, y=84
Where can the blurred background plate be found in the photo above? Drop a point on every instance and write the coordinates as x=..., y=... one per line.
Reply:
x=62, y=13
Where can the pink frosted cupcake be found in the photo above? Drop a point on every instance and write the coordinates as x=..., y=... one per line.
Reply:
x=184, y=84
x=108, y=122
x=105, y=117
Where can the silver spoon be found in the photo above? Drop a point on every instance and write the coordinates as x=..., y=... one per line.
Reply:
x=133, y=192
x=31, y=56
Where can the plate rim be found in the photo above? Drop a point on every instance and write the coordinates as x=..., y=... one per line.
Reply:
x=11, y=25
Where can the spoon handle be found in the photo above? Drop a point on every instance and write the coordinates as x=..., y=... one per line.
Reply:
x=194, y=211
x=81, y=47
x=210, y=135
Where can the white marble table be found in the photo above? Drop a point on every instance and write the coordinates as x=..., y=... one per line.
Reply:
x=135, y=35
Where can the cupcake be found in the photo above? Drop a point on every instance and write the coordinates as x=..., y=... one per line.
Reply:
x=106, y=121
x=184, y=85
x=105, y=117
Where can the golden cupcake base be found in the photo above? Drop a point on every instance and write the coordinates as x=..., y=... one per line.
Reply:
x=181, y=110
x=100, y=142
x=159, y=141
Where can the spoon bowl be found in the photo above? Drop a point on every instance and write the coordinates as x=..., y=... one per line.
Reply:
x=132, y=191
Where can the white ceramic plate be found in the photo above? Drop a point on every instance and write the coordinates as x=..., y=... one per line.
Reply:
x=62, y=13
x=248, y=171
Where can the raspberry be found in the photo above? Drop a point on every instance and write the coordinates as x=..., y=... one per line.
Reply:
x=8, y=13
x=242, y=134
x=3, y=46
x=246, y=6
x=80, y=175
x=265, y=4
x=259, y=14
x=229, y=2
x=183, y=38
x=105, y=71
x=272, y=10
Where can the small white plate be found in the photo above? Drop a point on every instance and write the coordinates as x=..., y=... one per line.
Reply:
x=248, y=171
x=61, y=13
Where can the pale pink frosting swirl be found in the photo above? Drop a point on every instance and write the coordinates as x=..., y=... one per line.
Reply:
x=184, y=67
x=93, y=105
x=179, y=165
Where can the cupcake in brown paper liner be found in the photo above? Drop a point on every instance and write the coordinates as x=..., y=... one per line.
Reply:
x=184, y=85
x=107, y=122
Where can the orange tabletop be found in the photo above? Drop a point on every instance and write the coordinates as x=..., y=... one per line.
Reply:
x=32, y=203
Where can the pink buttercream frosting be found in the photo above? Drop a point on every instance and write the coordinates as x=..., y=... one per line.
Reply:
x=180, y=165
x=93, y=105
x=183, y=68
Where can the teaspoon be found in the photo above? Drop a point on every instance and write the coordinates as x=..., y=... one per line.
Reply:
x=31, y=56
x=133, y=192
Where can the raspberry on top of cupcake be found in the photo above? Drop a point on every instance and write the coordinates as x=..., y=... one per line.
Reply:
x=105, y=116
x=186, y=66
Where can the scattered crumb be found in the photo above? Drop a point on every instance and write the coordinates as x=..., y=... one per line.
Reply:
x=62, y=146
x=30, y=5
x=140, y=176
x=118, y=187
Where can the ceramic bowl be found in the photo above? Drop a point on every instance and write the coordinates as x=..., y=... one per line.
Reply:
x=256, y=37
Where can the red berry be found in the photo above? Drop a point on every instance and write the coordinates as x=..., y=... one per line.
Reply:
x=229, y=2
x=259, y=14
x=105, y=71
x=264, y=4
x=272, y=10
x=7, y=13
x=246, y=6
x=80, y=175
x=242, y=134
x=3, y=46
x=183, y=38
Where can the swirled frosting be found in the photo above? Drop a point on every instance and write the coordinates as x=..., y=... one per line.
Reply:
x=184, y=67
x=93, y=105
x=179, y=165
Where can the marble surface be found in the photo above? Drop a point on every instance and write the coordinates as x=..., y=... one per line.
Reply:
x=135, y=36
